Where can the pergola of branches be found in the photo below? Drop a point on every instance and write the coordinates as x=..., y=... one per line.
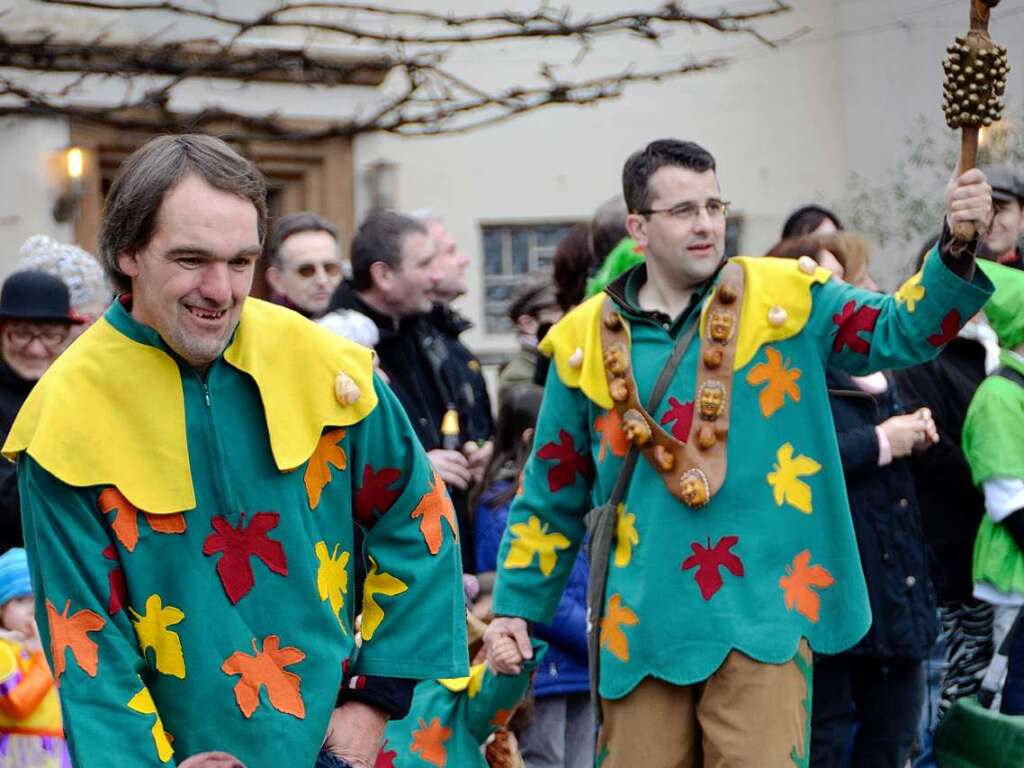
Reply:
x=411, y=50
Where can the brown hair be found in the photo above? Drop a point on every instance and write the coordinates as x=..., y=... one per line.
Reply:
x=849, y=249
x=151, y=172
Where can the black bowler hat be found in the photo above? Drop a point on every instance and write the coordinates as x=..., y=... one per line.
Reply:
x=34, y=295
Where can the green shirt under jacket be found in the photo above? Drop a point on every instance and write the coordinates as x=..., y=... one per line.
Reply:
x=772, y=558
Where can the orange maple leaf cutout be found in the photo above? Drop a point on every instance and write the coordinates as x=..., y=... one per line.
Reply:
x=267, y=668
x=779, y=378
x=613, y=438
x=126, y=518
x=501, y=717
x=432, y=508
x=612, y=637
x=797, y=585
x=428, y=741
x=72, y=632
x=318, y=469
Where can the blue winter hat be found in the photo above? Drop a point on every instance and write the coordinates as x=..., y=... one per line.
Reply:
x=14, y=578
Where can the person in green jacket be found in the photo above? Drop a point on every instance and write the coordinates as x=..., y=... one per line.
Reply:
x=733, y=554
x=193, y=471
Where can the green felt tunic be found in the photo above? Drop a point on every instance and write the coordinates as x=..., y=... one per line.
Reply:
x=212, y=665
x=772, y=558
x=993, y=442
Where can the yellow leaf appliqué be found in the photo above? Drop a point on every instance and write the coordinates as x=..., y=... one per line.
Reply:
x=532, y=539
x=626, y=536
x=911, y=292
x=377, y=584
x=152, y=630
x=470, y=684
x=142, y=702
x=332, y=577
x=785, y=480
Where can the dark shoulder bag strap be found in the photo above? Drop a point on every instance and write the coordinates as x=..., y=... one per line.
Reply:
x=1009, y=373
x=602, y=519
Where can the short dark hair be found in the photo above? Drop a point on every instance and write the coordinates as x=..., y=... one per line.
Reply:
x=608, y=227
x=642, y=164
x=572, y=264
x=803, y=221
x=292, y=224
x=379, y=238
x=151, y=172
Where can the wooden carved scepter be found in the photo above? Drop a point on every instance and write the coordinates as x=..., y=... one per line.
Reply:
x=975, y=69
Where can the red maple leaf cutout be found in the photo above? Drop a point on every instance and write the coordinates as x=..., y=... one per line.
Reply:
x=118, y=588
x=680, y=415
x=431, y=509
x=852, y=322
x=238, y=545
x=375, y=496
x=708, y=560
x=950, y=328
x=568, y=462
x=386, y=757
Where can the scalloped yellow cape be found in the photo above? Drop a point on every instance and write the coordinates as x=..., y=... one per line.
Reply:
x=111, y=411
x=769, y=282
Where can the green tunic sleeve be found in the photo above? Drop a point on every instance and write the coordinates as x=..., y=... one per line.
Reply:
x=545, y=524
x=414, y=614
x=94, y=655
x=863, y=331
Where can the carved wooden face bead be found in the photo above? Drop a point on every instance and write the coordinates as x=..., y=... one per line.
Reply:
x=616, y=359
x=711, y=400
x=721, y=325
x=636, y=427
x=619, y=390
x=694, y=489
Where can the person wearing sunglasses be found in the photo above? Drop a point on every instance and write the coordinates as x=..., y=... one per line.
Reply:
x=304, y=263
x=35, y=325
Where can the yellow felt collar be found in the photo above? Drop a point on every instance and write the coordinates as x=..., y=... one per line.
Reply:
x=91, y=419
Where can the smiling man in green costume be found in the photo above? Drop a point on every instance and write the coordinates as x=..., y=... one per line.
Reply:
x=192, y=471
x=732, y=554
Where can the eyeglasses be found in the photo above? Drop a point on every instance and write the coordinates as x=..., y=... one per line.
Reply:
x=51, y=337
x=331, y=269
x=717, y=209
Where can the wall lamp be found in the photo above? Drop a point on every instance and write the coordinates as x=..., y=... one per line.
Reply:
x=66, y=207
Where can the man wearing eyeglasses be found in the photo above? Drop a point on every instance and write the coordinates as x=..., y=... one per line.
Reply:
x=727, y=555
x=35, y=323
x=304, y=263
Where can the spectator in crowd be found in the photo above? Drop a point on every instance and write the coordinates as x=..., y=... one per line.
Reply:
x=304, y=263
x=1003, y=239
x=874, y=692
x=811, y=220
x=80, y=271
x=190, y=530
x=614, y=251
x=951, y=510
x=993, y=445
x=561, y=732
x=572, y=264
x=533, y=310
x=35, y=326
x=30, y=724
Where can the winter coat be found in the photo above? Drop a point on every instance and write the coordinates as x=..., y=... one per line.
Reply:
x=564, y=669
x=13, y=391
x=951, y=506
x=887, y=523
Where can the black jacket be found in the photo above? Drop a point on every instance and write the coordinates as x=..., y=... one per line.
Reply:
x=888, y=526
x=951, y=506
x=13, y=391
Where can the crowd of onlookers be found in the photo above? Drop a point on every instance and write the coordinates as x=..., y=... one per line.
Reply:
x=928, y=453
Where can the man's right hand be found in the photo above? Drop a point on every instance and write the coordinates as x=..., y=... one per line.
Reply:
x=452, y=466
x=507, y=641
x=909, y=432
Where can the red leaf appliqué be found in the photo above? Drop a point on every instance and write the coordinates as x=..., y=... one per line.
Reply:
x=851, y=322
x=568, y=463
x=680, y=415
x=118, y=587
x=707, y=561
x=949, y=329
x=241, y=543
x=386, y=757
x=375, y=496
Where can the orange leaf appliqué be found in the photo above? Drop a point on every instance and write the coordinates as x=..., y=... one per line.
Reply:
x=267, y=668
x=797, y=585
x=318, y=470
x=72, y=632
x=779, y=378
x=126, y=518
x=612, y=637
x=428, y=741
x=612, y=437
x=432, y=508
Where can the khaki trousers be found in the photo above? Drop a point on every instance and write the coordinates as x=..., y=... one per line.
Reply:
x=746, y=715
